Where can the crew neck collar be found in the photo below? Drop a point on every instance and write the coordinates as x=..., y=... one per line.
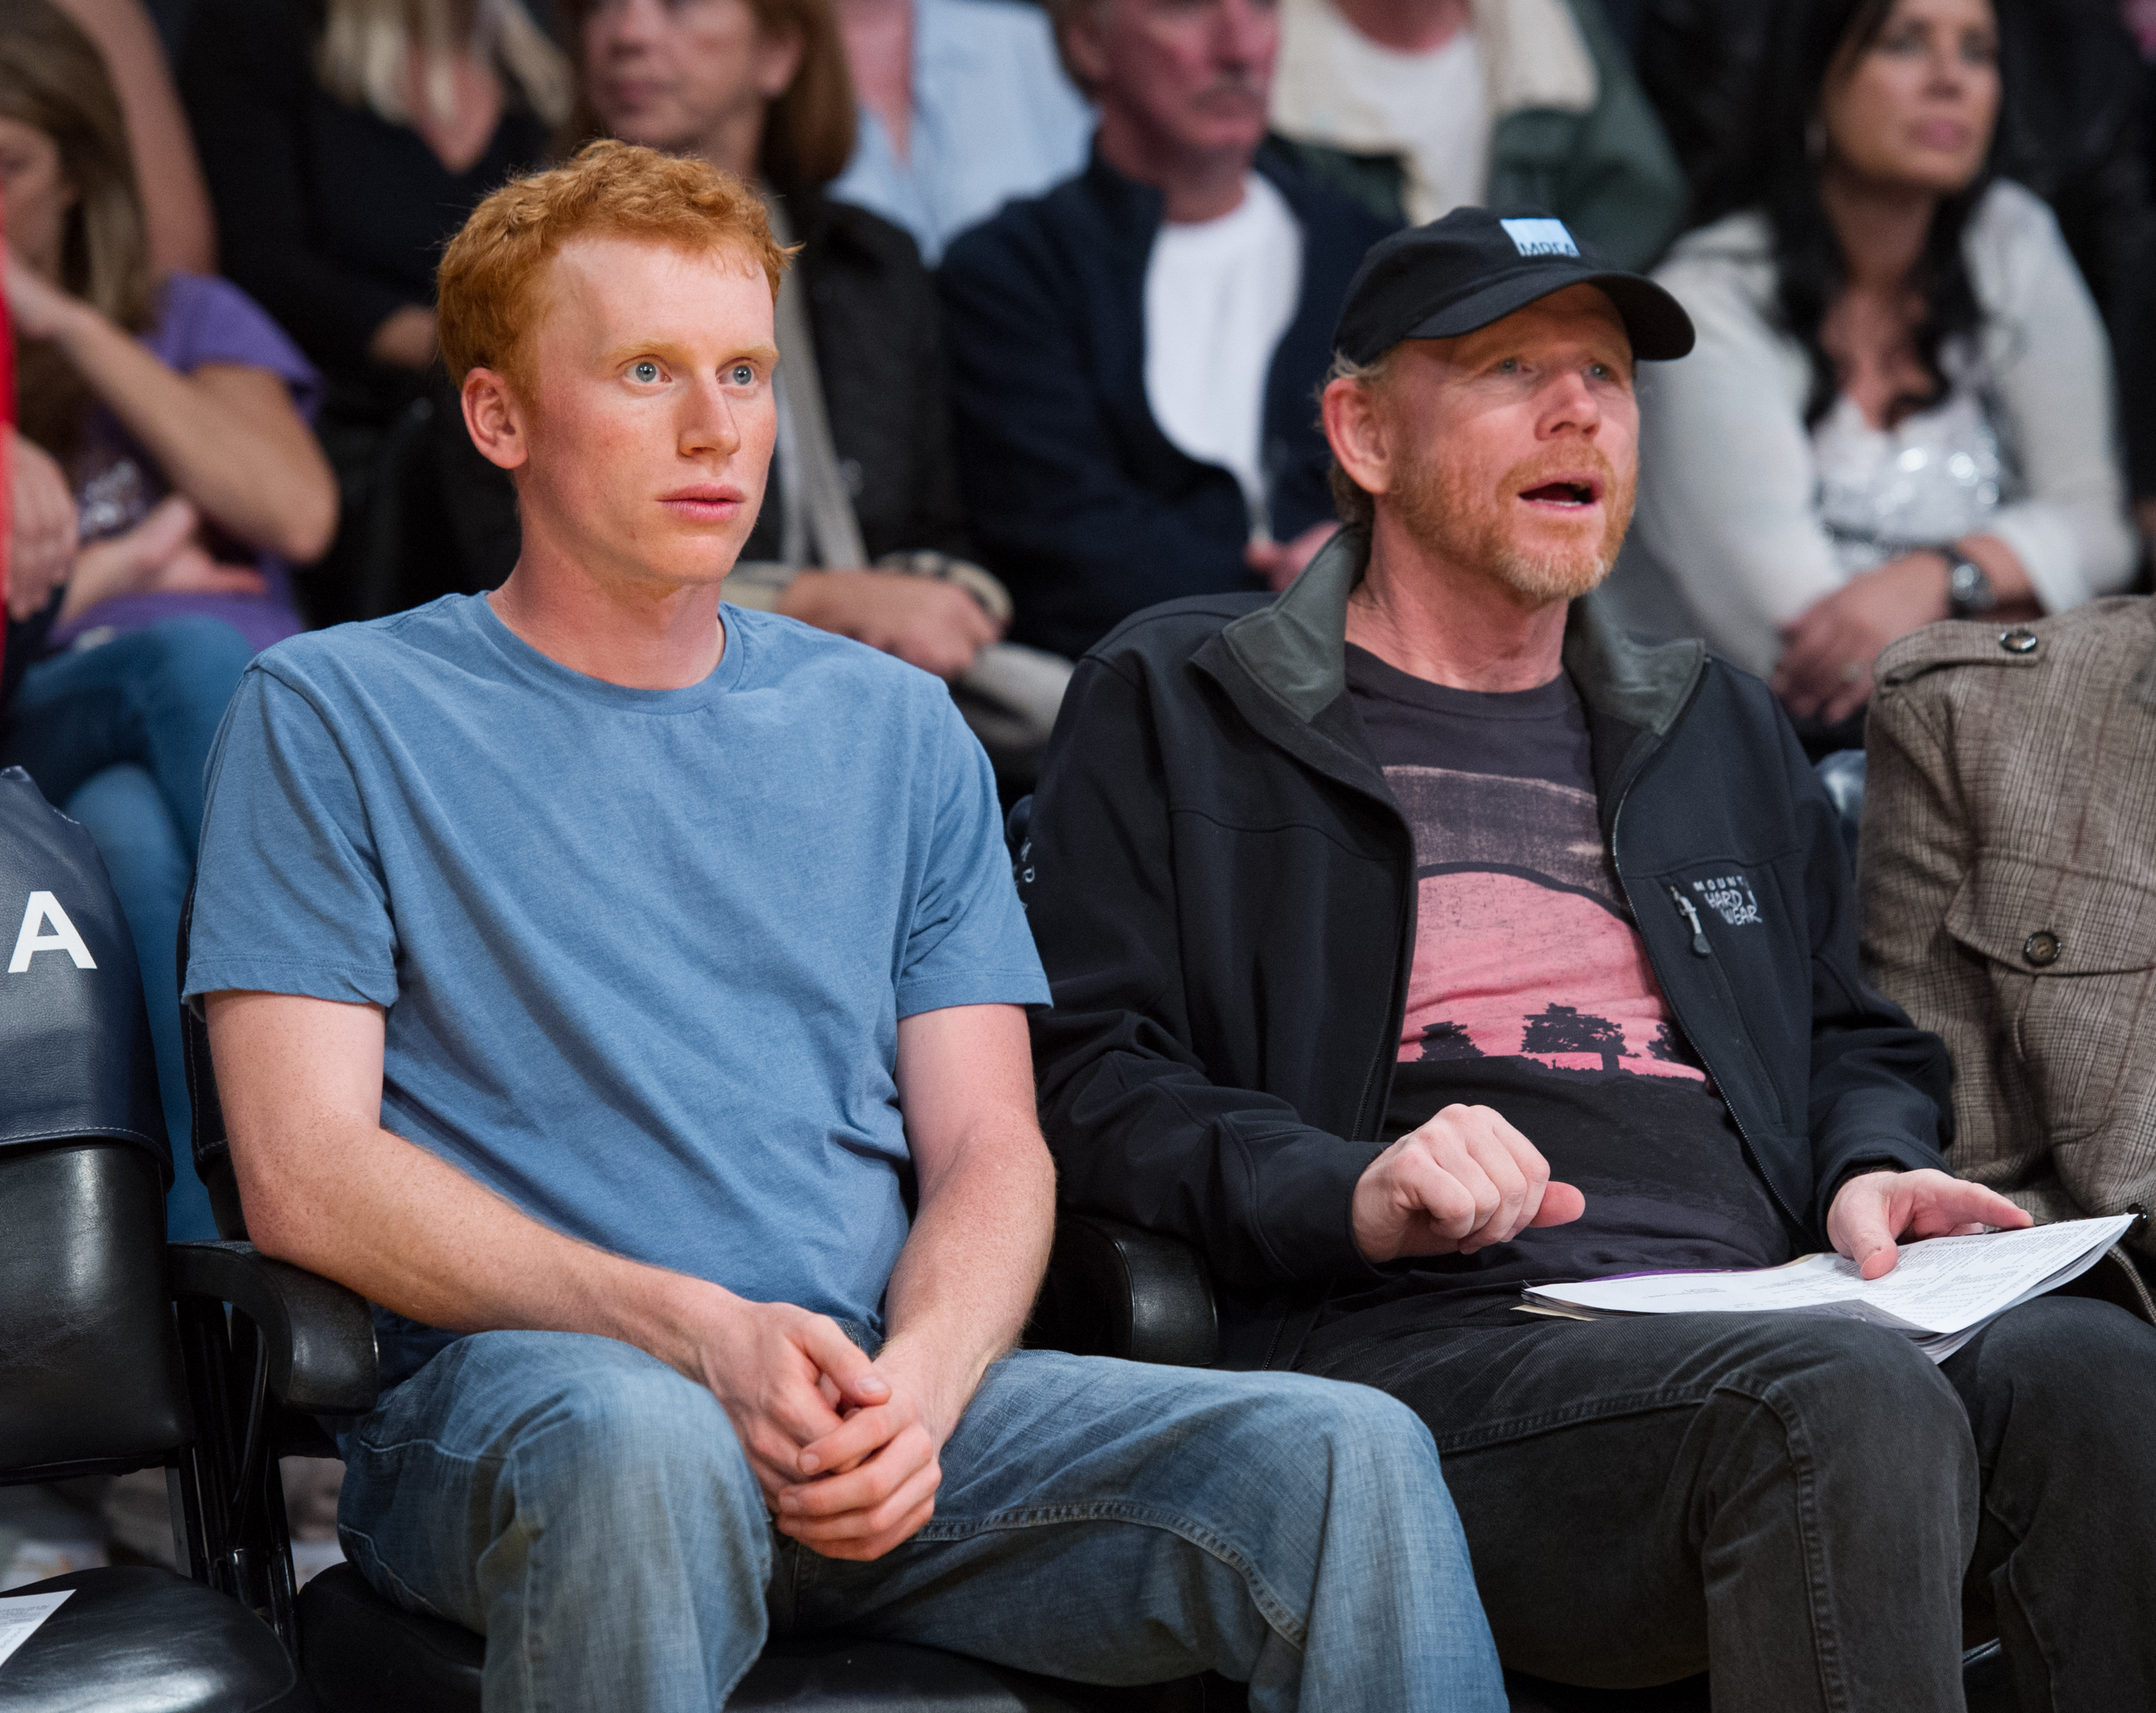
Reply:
x=536, y=666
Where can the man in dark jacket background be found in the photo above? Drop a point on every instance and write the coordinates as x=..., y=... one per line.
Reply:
x=1415, y=936
x=1135, y=356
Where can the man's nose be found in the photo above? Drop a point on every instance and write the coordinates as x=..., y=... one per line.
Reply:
x=1569, y=402
x=707, y=424
x=1245, y=31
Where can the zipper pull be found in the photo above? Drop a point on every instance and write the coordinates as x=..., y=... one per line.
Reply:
x=1684, y=909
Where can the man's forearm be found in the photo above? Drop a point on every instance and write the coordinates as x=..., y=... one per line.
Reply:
x=966, y=1280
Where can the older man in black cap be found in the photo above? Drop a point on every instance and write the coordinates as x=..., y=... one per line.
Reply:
x=1415, y=936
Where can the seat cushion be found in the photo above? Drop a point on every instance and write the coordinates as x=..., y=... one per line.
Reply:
x=137, y=1640
x=365, y=1654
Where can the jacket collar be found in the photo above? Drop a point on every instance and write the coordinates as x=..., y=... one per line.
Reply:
x=1293, y=653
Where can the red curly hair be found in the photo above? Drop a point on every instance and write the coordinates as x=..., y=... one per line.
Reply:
x=487, y=288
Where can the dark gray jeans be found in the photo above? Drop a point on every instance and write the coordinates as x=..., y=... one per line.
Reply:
x=1803, y=1503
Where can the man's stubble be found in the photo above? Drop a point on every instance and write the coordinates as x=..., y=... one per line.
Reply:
x=1441, y=504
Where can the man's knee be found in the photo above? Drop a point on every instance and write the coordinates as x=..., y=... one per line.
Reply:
x=2076, y=1371
x=1842, y=1399
x=614, y=1436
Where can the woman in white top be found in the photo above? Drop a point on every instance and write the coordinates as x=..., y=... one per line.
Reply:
x=1899, y=409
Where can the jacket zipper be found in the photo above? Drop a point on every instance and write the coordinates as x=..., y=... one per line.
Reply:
x=1699, y=941
x=1703, y=948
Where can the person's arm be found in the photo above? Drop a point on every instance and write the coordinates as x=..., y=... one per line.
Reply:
x=175, y=204
x=1727, y=474
x=963, y=1285
x=926, y=621
x=326, y=1188
x=226, y=436
x=41, y=524
x=1079, y=542
x=246, y=78
x=2054, y=377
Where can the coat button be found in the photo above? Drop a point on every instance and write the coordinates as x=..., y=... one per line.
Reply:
x=2018, y=641
x=2041, y=948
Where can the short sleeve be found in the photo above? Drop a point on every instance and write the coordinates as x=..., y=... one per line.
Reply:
x=289, y=893
x=201, y=319
x=968, y=944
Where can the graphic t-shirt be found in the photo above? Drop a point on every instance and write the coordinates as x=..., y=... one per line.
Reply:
x=1531, y=994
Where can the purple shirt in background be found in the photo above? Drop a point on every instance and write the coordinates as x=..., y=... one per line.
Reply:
x=200, y=320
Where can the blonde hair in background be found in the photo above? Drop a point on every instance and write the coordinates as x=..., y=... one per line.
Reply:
x=53, y=79
x=366, y=51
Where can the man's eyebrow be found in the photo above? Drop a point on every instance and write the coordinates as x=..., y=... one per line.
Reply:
x=764, y=352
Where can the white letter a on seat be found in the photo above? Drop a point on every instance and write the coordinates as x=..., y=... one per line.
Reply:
x=43, y=911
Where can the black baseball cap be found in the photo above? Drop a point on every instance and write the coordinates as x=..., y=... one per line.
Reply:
x=1476, y=266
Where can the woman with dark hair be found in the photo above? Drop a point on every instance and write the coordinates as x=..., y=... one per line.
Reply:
x=176, y=410
x=864, y=475
x=1899, y=409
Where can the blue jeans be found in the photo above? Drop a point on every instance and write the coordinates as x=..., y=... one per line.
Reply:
x=118, y=736
x=588, y=1510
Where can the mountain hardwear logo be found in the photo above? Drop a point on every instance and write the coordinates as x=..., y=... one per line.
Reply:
x=1730, y=898
x=41, y=913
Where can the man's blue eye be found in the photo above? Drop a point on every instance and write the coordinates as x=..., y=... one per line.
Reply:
x=744, y=376
x=647, y=371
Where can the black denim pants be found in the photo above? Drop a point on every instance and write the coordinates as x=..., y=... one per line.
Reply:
x=1803, y=1505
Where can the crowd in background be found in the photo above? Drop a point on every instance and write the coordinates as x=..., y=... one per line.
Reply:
x=1066, y=288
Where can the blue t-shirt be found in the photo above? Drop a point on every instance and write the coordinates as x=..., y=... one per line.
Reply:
x=642, y=952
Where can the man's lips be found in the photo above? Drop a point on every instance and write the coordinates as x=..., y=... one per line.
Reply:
x=714, y=502
x=1573, y=493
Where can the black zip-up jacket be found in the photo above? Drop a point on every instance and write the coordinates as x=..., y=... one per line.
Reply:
x=1086, y=510
x=1223, y=892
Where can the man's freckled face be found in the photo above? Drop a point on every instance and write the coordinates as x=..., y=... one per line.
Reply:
x=650, y=433
x=1521, y=443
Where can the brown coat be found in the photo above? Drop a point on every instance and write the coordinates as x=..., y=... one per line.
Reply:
x=2008, y=876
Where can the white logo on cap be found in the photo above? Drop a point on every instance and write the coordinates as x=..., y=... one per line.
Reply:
x=1540, y=237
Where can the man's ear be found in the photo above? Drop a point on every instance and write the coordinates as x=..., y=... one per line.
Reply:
x=1356, y=429
x=1081, y=38
x=495, y=420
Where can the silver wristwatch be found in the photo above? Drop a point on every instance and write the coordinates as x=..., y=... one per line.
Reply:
x=1968, y=588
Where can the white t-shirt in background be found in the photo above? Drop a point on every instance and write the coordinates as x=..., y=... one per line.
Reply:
x=1433, y=107
x=1219, y=294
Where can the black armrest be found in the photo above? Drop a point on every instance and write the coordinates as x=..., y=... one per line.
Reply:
x=319, y=1336
x=1116, y=1290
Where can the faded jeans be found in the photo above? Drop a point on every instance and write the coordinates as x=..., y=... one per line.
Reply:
x=589, y=1511
x=1803, y=1504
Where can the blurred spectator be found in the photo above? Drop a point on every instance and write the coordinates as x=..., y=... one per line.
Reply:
x=174, y=405
x=345, y=141
x=1420, y=106
x=2073, y=128
x=962, y=107
x=174, y=203
x=864, y=472
x=1134, y=356
x=2009, y=869
x=1900, y=406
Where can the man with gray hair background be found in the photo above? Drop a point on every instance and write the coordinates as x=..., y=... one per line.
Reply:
x=1133, y=355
